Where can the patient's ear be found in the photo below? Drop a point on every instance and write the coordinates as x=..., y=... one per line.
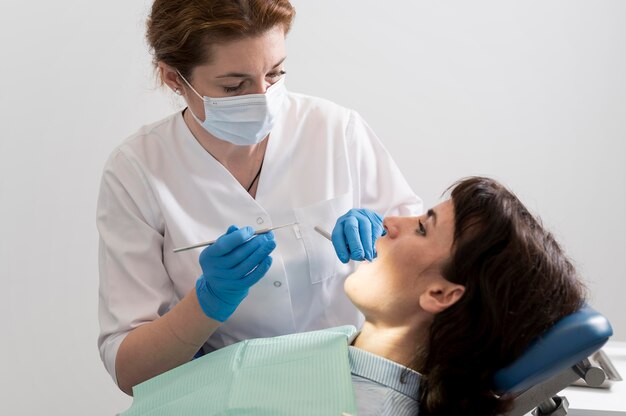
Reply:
x=440, y=295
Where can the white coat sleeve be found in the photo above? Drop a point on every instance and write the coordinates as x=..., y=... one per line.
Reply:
x=134, y=285
x=379, y=184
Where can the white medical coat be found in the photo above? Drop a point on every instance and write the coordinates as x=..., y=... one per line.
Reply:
x=161, y=190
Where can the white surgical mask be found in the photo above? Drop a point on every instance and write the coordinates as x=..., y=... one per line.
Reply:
x=242, y=119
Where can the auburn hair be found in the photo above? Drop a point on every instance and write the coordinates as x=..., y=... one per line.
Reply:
x=180, y=32
x=518, y=283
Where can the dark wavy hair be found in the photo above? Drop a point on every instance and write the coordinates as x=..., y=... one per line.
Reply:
x=518, y=283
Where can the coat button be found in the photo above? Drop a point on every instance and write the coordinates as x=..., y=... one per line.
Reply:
x=259, y=220
x=277, y=283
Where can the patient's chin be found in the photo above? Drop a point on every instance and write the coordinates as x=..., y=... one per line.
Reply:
x=357, y=282
x=350, y=285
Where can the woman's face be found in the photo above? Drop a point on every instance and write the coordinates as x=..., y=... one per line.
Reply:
x=245, y=66
x=410, y=258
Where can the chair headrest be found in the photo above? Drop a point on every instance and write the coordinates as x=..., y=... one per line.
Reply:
x=572, y=339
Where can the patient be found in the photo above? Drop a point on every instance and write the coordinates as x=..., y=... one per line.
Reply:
x=453, y=296
x=457, y=294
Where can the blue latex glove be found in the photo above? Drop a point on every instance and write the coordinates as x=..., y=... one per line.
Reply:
x=230, y=266
x=355, y=234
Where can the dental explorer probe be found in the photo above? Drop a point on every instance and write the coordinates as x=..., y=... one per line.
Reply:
x=257, y=232
x=323, y=232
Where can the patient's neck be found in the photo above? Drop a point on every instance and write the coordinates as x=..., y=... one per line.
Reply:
x=396, y=343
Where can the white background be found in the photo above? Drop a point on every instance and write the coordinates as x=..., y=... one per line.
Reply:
x=532, y=93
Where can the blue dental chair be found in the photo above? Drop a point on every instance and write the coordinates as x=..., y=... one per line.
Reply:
x=553, y=362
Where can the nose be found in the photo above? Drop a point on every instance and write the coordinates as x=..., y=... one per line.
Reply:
x=396, y=225
x=260, y=86
x=392, y=225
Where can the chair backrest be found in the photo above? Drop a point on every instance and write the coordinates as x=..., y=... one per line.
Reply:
x=569, y=341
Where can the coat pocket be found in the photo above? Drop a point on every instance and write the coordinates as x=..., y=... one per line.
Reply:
x=322, y=259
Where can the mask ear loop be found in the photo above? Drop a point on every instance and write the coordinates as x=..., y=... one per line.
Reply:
x=196, y=92
x=189, y=85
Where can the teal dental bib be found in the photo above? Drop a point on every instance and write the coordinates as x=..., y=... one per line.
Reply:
x=298, y=374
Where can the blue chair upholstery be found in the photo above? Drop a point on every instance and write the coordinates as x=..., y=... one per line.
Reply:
x=552, y=362
x=569, y=341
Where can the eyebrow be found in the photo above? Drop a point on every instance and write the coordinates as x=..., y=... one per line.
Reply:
x=242, y=75
x=433, y=214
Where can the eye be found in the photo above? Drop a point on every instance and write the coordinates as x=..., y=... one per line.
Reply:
x=233, y=89
x=276, y=74
x=421, y=230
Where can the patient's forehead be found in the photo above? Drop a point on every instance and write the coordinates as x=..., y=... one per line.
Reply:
x=440, y=222
x=443, y=214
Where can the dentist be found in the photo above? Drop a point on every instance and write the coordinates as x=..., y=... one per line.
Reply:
x=243, y=151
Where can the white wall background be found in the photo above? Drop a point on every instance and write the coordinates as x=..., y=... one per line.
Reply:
x=532, y=93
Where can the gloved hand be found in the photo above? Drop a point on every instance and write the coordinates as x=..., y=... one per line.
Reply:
x=230, y=266
x=355, y=234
